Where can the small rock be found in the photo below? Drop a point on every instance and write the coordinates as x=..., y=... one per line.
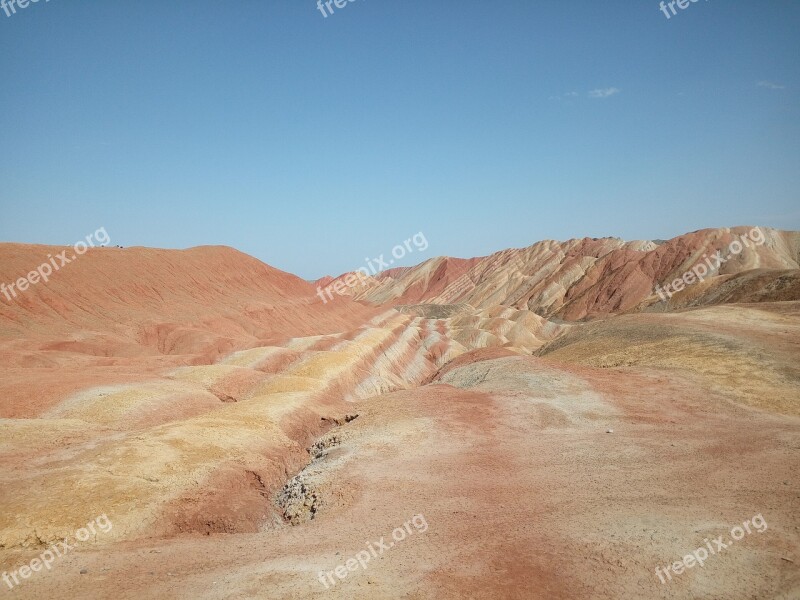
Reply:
x=609, y=431
x=84, y=571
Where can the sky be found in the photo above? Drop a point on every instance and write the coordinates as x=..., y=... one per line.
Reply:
x=315, y=142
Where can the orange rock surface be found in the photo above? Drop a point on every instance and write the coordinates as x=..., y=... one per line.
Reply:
x=560, y=431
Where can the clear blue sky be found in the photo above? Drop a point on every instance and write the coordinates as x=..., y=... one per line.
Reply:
x=313, y=143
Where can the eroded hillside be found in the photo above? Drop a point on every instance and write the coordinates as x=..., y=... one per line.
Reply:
x=589, y=278
x=246, y=438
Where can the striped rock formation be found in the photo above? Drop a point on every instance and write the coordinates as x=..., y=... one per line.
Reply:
x=587, y=278
x=242, y=434
x=150, y=390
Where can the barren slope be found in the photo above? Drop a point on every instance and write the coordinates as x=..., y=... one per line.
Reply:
x=523, y=492
x=243, y=436
x=596, y=277
x=155, y=409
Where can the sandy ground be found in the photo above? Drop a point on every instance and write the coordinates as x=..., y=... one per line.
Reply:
x=247, y=441
x=522, y=494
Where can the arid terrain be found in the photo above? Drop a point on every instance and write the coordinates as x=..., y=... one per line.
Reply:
x=538, y=423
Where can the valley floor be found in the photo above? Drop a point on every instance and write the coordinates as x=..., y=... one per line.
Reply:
x=571, y=474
